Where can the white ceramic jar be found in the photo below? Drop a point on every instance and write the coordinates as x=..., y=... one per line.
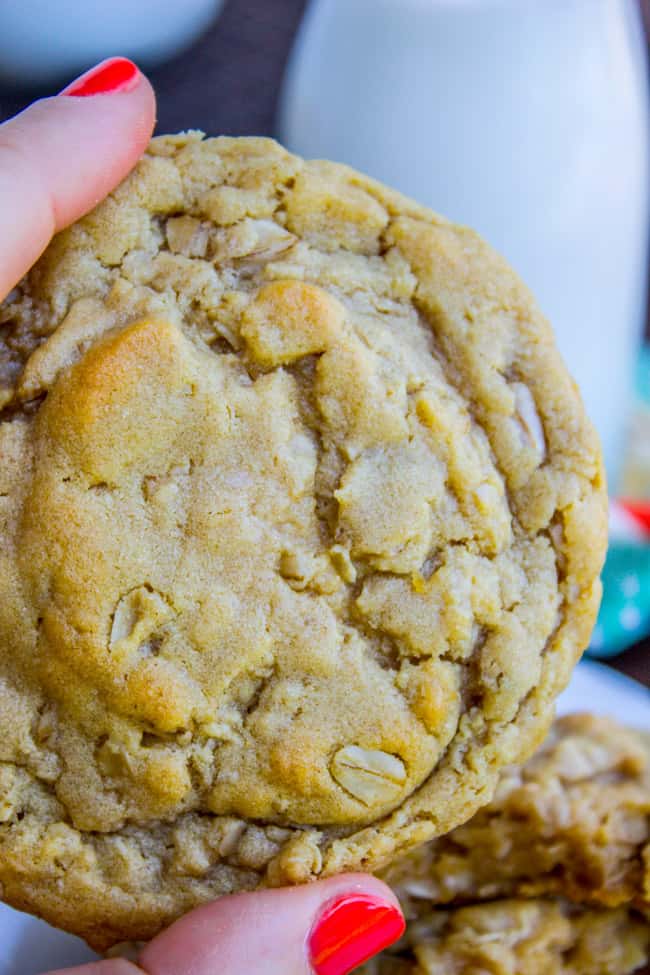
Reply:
x=527, y=119
x=44, y=41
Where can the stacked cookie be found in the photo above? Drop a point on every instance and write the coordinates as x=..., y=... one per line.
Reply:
x=552, y=876
x=301, y=524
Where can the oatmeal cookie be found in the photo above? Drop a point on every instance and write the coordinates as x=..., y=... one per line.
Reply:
x=574, y=822
x=520, y=937
x=301, y=523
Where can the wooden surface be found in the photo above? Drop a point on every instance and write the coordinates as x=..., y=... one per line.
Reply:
x=228, y=82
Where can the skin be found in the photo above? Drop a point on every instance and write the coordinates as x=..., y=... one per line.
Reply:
x=58, y=159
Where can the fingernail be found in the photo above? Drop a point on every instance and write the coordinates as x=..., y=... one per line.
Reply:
x=106, y=78
x=351, y=930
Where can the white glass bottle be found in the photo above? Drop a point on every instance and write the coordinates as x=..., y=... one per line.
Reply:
x=528, y=120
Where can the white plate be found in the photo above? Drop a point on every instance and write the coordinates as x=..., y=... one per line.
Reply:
x=30, y=947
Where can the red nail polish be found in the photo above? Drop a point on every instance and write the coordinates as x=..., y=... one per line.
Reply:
x=351, y=930
x=107, y=78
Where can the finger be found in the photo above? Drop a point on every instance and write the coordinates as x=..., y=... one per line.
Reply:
x=62, y=155
x=328, y=928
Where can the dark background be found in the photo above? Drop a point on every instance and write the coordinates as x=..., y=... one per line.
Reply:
x=228, y=83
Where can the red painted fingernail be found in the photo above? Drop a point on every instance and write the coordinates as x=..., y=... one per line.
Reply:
x=351, y=930
x=107, y=78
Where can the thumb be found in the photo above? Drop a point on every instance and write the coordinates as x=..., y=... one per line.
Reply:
x=328, y=928
x=62, y=155
x=325, y=928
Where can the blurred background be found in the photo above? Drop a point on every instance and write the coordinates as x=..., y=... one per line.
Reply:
x=527, y=119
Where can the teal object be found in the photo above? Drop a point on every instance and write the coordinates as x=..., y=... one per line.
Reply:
x=642, y=375
x=624, y=616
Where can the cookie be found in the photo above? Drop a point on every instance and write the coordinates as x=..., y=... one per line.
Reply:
x=520, y=937
x=574, y=822
x=301, y=522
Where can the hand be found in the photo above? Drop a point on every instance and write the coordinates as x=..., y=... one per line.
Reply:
x=58, y=159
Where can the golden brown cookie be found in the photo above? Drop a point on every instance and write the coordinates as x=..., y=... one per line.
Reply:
x=574, y=822
x=301, y=522
x=520, y=937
